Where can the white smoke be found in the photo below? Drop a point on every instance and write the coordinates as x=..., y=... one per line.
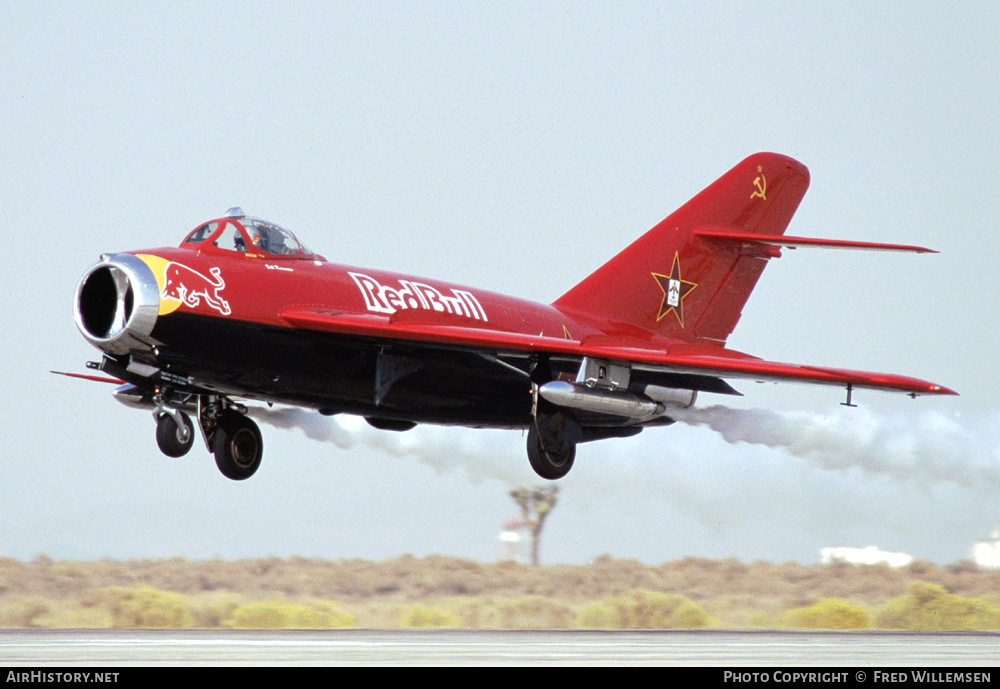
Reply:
x=909, y=481
x=926, y=448
x=442, y=449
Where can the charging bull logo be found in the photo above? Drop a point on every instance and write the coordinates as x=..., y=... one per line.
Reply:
x=191, y=287
x=182, y=285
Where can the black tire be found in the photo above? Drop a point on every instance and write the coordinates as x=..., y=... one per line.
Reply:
x=172, y=440
x=237, y=446
x=390, y=424
x=549, y=465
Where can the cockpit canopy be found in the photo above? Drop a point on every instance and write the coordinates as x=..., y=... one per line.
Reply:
x=241, y=233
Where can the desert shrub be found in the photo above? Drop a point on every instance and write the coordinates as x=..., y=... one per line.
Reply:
x=828, y=613
x=930, y=606
x=22, y=611
x=144, y=607
x=419, y=616
x=739, y=611
x=213, y=610
x=641, y=609
x=515, y=612
x=599, y=615
x=761, y=619
x=281, y=614
x=70, y=615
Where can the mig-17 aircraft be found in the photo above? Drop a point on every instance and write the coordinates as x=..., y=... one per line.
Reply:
x=243, y=313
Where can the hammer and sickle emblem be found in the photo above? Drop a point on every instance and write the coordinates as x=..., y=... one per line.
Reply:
x=761, y=183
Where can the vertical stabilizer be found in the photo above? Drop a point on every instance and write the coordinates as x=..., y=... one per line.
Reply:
x=676, y=284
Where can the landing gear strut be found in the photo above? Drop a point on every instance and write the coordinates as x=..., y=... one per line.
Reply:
x=552, y=436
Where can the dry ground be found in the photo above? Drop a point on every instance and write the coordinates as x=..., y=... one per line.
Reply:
x=735, y=594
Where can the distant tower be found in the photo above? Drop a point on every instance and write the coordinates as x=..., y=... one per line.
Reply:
x=513, y=540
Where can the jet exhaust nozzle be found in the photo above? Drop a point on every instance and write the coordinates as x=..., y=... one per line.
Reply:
x=117, y=303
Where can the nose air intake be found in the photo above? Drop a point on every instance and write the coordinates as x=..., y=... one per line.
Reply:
x=117, y=303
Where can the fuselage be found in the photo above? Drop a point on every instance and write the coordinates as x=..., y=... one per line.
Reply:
x=253, y=352
x=209, y=320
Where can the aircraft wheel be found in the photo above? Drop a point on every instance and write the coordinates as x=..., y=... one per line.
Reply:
x=549, y=465
x=172, y=439
x=238, y=446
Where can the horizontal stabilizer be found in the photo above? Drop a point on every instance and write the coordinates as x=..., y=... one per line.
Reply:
x=722, y=234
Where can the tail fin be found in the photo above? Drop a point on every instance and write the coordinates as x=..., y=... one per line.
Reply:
x=675, y=283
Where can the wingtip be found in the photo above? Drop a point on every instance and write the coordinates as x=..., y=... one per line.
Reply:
x=939, y=390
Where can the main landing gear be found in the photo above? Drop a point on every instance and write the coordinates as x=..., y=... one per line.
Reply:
x=237, y=445
x=232, y=436
x=552, y=439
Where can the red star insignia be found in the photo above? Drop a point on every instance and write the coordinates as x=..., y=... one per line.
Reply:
x=675, y=289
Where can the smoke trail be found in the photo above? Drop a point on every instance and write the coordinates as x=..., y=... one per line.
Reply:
x=806, y=479
x=442, y=449
x=927, y=448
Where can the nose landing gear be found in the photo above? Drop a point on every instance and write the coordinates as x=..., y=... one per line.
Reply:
x=232, y=436
x=174, y=431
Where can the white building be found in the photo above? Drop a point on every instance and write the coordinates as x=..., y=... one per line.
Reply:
x=864, y=556
x=987, y=553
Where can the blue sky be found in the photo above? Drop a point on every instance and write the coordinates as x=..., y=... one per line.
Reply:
x=513, y=147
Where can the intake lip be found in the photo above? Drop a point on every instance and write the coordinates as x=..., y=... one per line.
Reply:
x=117, y=303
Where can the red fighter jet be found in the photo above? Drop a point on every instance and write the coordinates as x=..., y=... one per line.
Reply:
x=242, y=312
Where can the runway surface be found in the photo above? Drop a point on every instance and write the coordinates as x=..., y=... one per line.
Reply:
x=114, y=648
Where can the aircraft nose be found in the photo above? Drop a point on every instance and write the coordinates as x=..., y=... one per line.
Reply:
x=116, y=305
